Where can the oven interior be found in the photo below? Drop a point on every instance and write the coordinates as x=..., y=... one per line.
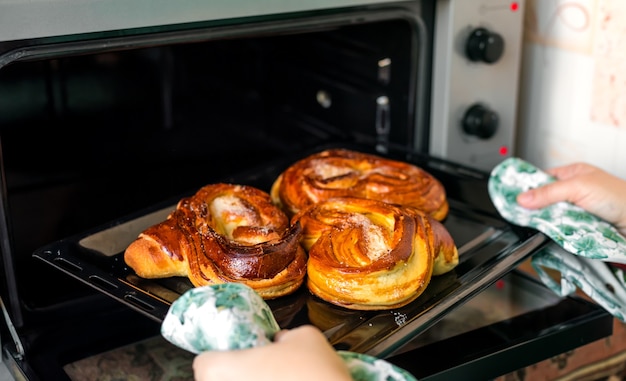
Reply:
x=89, y=138
x=92, y=131
x=96, y=133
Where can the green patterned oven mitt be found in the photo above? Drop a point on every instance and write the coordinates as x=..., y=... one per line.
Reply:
x=601, y=282
x=584, y=245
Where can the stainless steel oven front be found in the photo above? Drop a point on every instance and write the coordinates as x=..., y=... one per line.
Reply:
x=110, y=111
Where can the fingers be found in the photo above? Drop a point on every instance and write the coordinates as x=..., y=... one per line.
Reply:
x=261, y=363
x=301, y=353
x=280, y=335
x=545, y=195
x=566, y=189
x=303, y=332
x=589, y=187
x=571, y=170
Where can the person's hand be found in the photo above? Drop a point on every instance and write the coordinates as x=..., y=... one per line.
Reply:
x=585, y=185
x=301, y=354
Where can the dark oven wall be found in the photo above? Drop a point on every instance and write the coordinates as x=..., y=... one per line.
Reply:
x=89, y=138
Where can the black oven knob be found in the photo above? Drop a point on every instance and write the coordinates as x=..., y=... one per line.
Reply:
x=480, y=121
x=483, y=45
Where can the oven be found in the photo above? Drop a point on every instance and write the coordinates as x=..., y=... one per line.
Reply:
x=110, y=112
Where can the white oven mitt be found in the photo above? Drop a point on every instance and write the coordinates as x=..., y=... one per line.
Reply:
x=587, y=241
x=233, y=316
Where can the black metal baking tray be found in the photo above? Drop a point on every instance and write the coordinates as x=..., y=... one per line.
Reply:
x=488, y=246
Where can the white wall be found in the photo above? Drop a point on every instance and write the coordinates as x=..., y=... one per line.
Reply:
x=573, y=84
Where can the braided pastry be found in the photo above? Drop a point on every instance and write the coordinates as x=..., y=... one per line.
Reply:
x=371, y=255
x=346, y=173
x=224, y=233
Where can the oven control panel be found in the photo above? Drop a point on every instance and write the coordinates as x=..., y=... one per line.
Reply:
x=476, y=68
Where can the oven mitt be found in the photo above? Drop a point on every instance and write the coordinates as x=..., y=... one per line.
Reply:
x=601, y=282
x=219, y=317
x=571, y=227
x=585, y=242
x=233, y=316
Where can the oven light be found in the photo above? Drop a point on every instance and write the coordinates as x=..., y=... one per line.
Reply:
x=323, y=98
x=384, y=62
x=503, y=150
x=514, y=6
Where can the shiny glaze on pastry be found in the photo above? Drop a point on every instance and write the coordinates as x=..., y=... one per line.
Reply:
x=347, y=173
x=370, y=255
x=224, y=233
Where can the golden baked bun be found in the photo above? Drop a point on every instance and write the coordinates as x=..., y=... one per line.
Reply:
x=370, y=255
x=224, y=233
x=347, y=173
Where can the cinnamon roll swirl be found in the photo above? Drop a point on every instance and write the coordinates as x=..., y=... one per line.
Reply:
x=371, y=255
x=346, y=173
x=224, y=233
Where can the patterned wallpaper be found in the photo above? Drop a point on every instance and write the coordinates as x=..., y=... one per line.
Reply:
x=573, y=84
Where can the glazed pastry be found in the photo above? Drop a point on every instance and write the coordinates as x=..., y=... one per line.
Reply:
x=371, y=255
x=346, y=173
x=224, y=233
